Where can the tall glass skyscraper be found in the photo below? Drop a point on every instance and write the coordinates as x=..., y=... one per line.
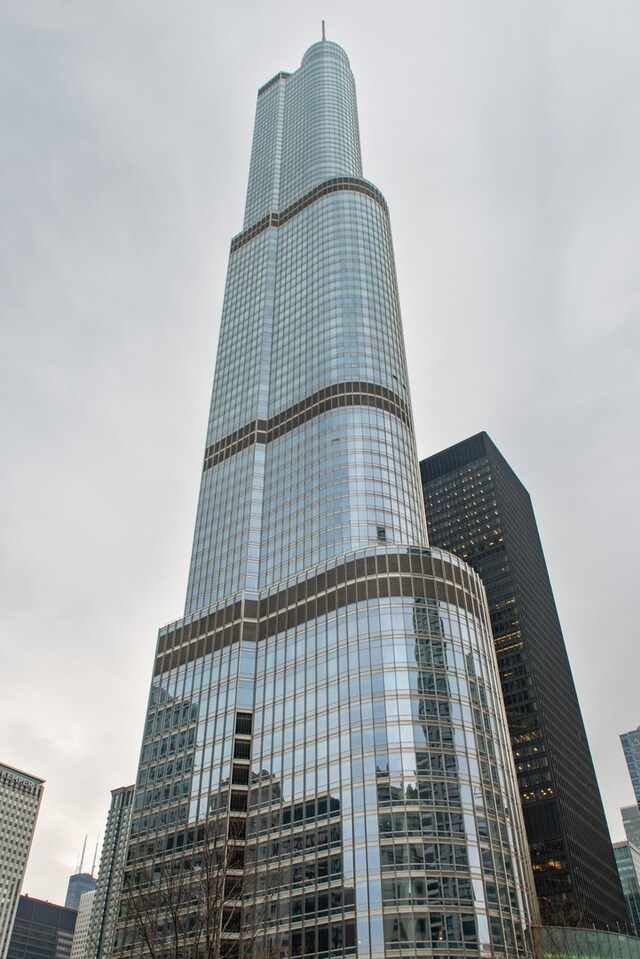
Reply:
x=79, y=883
x=330, y=697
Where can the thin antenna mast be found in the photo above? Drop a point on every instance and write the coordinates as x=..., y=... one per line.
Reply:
x=95, y=857
x=84, y=849
x=323, y=34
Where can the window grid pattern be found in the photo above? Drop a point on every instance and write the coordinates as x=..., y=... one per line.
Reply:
x=631, y=748
x=20, y=796
x=381, y=803
x=306, y=131
x=478, y=508
x=104, y=911
x=332, y=485
x=324, y=310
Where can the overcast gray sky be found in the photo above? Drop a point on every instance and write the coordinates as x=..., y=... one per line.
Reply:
x=506, y=138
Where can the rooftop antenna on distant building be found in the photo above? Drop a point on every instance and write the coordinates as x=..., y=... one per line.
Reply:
x=95, y=857
x=323, y=36
x=84, y=849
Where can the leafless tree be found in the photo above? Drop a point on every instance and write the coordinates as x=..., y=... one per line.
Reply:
x=190, y=904
x=574, y=942
x=567, y=934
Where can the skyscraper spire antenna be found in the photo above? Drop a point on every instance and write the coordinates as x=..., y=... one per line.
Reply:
x=84, y=849
x=95, y=857
x=323, y=33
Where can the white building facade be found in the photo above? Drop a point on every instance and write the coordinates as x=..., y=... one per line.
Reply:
x=20, y=795
x=81, y=946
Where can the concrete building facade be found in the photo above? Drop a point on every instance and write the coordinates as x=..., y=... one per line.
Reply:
x=20, y=797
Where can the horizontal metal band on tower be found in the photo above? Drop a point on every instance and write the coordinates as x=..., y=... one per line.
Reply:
x=330, y=398
x=415, y=574
x=342, y=184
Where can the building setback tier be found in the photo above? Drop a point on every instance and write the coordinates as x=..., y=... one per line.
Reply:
x=357, y=736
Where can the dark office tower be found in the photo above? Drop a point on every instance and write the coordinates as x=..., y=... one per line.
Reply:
x=631, y=746
x=328, y=710
x=78, y=884
x=41, y=930
x=478, y=508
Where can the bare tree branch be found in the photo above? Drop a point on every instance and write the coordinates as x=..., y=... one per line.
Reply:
x=197, y=902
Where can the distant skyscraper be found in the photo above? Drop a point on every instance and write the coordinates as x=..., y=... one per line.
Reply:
x=78, y=884
x=631, y=746
x=478, y=508
x=112, y=860
x=42, y=930
x=628, y=862
x=631, y=822
x=330, y=696
x=20, y=796
x=81, y=947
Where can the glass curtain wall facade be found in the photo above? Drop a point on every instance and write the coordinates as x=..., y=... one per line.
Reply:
x=78, y=884
x=330, y=699
x=478, y=508
x=628, y=863
x=631, y=823
x=631, y=747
